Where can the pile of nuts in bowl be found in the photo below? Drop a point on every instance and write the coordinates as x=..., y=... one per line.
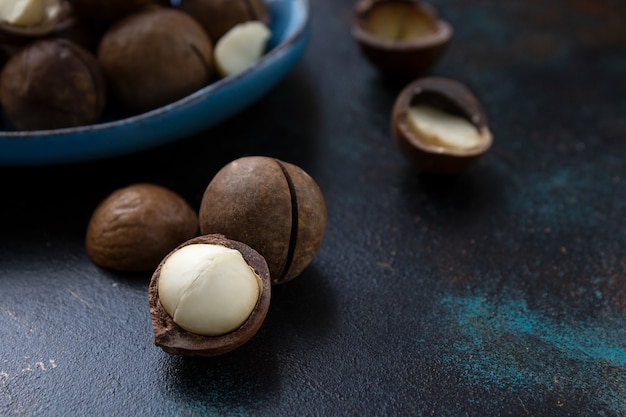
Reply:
x=64, y=62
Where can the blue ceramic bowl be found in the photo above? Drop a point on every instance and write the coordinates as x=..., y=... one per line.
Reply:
x=200, y=110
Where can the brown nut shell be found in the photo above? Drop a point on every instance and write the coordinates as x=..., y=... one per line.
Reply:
x=134, y=227
x=154, y=57
x=173, y=339
x=403, y=38
x=271, y=205
x=52, y=83
x=451, y=97
x=219, y=16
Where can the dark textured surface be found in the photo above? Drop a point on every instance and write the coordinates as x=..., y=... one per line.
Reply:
x=498, y=292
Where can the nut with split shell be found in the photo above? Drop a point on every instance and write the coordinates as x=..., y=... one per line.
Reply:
x=440, y=125
x=402, y=38
x=271, y=205
x=174, y=339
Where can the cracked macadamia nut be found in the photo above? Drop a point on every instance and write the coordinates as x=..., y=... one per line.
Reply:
x=271, y=205
x=400, y=37
x=134, y=227
x=155, y=56
x=439, y=125
x=208, y=296
x=52, y=83
x=240, y=47
x=208, y=289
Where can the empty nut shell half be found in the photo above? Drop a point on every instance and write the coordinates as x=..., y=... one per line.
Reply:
x=440, y=125
x=401, y=37
x=175, y=340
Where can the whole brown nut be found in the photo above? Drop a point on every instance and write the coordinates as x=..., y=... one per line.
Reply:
x=106, y=9
x=440, y=125
x=219, y=16
x=155, y=56
x=273, y=206
x=172, y=338
x=403, y=38
x=50, y=84
x=134, y=227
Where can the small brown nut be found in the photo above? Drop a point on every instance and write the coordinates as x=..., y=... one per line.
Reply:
x=173, y=338
x=154, y=57
x=273, y=206
x=400, y=37
x=440, y=125
x=136, y=226
x=50, y=84
x=219, y=16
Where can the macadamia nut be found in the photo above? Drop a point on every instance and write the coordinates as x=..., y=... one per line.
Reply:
x=22, y=12
x=240, y=47
x=443, y=128
x=208, y=289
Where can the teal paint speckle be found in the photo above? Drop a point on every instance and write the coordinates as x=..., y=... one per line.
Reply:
x=505, y=345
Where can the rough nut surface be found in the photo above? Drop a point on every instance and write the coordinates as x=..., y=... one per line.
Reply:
x=136, y=226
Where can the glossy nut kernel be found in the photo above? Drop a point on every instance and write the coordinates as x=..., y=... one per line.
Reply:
x=208, y=289
x=440, y=125
x=173, y=338
x=401, y=37
x=240, y=47
x=135, y=226
x=271, y=205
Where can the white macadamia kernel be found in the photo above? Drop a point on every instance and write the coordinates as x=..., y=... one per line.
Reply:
x=443, y=129
x=397, y=21
x=208, y=289
x=23, y=12
x=240, y=47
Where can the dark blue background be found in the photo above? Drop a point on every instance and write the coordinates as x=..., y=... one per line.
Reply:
x=501, y=291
